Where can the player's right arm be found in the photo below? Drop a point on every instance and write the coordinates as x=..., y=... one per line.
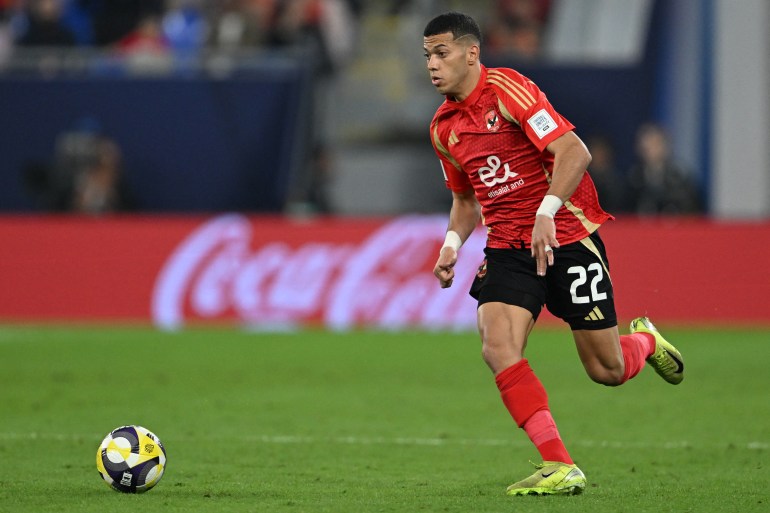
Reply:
x=465, y=212
x=463, y=219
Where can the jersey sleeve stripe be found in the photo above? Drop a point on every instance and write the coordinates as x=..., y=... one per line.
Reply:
x=590, y=227
x=442, y=149
x=518, y=99
x=523, y=90
x=513, y=85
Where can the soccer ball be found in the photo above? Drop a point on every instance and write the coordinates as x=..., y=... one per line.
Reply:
x=131, y=459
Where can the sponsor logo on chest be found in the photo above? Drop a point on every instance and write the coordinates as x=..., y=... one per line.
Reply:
x=496, y=173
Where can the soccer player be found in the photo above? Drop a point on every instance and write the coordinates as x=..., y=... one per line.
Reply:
x=512, y=161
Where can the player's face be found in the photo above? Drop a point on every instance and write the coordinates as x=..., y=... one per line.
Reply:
x=449, y=64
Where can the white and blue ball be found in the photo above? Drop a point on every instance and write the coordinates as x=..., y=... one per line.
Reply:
x=131, y=459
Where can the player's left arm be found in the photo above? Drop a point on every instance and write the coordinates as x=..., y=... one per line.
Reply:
x=571, y=159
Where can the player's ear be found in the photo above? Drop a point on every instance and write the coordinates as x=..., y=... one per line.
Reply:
x=472, y=54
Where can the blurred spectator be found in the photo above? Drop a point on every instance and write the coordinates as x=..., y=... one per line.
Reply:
x=85, y=175
x=44, y=25
x=610, y=183
x=77, y=19
x=115, y=19
x=516, y=28
x=241, y=23
x=145, y=48
x=98, y=188
x=184, y=26
x=328, y=27
x=328, y=30
x=657, y=183
x=147, y=36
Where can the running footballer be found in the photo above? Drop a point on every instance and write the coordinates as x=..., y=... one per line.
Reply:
x=512, y=161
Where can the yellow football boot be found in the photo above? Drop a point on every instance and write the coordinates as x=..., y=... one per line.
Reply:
x=666, y=360
x=551, y=478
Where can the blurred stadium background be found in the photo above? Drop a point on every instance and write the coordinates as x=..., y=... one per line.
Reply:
x=188, y=160
x=247, y=169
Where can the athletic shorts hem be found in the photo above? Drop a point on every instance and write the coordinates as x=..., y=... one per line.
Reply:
x=591, y=325
x=497, y=294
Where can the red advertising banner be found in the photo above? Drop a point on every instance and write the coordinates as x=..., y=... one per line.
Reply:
x=275, y=273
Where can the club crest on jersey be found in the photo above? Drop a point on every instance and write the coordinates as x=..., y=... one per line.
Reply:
x=492, y=120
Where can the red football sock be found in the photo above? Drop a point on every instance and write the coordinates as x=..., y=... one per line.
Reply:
x=541, y=429
x=636, y=348
x=526, y=400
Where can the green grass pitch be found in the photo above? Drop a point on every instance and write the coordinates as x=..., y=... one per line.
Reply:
x=361, y=422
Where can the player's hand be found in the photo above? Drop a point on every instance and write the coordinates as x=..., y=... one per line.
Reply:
x=543, y=242
x=444, y=269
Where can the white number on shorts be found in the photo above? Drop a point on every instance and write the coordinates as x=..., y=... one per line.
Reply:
x=582, y=278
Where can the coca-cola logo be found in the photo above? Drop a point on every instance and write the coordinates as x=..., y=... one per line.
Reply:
x=223, y=271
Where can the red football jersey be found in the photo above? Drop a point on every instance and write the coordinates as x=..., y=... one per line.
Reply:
x=494, y=141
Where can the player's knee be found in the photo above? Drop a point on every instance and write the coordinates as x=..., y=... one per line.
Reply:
x=499, y=355
x=610, y=376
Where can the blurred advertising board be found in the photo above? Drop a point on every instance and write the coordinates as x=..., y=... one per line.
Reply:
x=341, y=273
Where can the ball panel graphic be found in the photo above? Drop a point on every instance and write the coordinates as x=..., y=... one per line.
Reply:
x=131, y=459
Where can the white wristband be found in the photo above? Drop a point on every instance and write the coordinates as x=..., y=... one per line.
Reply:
x=452, y=240
x=550, y=205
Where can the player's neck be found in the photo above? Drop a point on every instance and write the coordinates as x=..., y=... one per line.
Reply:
x=468, y=85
